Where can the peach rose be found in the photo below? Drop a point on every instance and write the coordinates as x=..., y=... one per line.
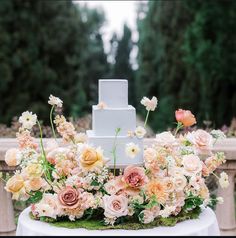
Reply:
x=202, y=140
x=15, y=183
x=185, y=117
x=151, y=162
x=134, y=176
x=115, y=206
x=115, y=185
x=192, y=164
x=12, y=157
x=69, y=197
x=35, y=184
x=91, y=158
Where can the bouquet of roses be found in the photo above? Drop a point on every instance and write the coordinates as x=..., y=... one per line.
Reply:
x=70, y=179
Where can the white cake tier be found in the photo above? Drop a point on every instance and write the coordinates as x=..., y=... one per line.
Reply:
x=107, y=142
x=113, y=92
x=107, y=120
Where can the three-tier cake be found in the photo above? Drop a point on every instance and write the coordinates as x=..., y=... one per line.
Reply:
x=114, y=113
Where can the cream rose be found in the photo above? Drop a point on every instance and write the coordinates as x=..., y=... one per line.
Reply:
x=192, y=164
x=165, y=139
x=15, y=183
x=202, y=141
x=115, y=206
x=91, y=158
x=180, y=182
x=12, y=157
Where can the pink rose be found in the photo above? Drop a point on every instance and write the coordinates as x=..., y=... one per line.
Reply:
x=115, y=206
x=202, y=141
x=69, y=197
x=135, y=176
x=192, y=164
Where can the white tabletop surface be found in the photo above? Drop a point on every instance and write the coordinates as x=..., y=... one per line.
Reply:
x=206, y=224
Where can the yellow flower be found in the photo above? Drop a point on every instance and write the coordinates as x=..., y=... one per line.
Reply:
x=15, y=183
x=34, y=170
x=91, y=158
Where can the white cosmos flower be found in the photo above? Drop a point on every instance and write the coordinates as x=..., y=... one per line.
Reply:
x=140, y=132
x=224, y=180
x=28, y=120
x=55, y=101
x=150, y=104
x=132, y=150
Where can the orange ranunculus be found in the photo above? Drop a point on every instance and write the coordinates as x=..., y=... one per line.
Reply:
x=186, y=117
x=158, y=189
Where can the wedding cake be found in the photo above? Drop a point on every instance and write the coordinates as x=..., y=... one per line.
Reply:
x=111, y=113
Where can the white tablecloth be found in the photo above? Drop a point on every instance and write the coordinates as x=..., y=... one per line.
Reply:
x=206, y=225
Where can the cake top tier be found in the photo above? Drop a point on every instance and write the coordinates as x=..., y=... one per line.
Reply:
x=113, y=92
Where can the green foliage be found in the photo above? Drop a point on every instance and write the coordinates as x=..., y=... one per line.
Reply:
x=36, y=197
x=49, y=47
x=186, y=53
x=191, y=202
x=96, y=224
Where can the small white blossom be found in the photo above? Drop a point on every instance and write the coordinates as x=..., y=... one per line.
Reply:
x=224, y=180
x=167, y=211
x=28, y=120
x=140, y=132
x=55, y=101
x=132, y=150
x=220, y=200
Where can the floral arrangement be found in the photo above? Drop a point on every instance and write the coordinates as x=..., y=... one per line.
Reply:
x=71, y=181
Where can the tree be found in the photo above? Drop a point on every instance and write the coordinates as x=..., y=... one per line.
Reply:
x=184, y=50
x=48, y=47
x=122, y=67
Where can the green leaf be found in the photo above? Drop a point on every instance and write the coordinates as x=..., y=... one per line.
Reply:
x=36, y=197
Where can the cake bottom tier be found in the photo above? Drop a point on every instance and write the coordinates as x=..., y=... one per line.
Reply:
x=107, y=142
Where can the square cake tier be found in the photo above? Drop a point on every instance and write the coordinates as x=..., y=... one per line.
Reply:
x=113, y=92
x=106, y=121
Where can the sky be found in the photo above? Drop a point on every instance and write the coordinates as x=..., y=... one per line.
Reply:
x=117, y=13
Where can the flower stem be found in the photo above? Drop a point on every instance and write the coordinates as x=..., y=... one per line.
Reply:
x=52, y=126
x=145, y=123
x=114, y=150
x=179, y=126
x=43, y=152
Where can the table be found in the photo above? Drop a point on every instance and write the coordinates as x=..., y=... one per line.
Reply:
x=206, y=225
